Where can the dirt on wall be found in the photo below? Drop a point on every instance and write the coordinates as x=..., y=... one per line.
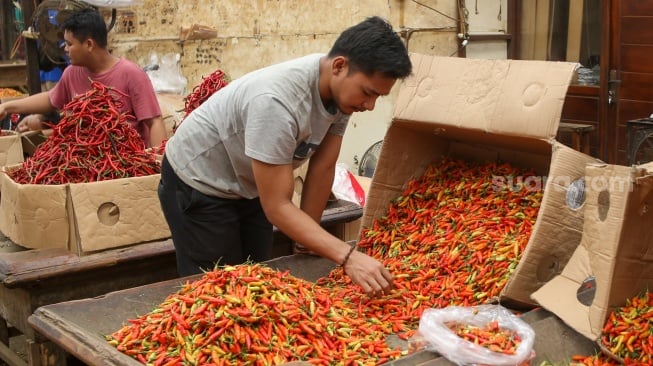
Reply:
x=254, y=34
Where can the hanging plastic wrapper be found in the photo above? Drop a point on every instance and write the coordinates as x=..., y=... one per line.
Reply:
x=165, y=74
x=435, y=334
x=346, y=187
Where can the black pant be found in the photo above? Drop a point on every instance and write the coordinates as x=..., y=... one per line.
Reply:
x=209, y=230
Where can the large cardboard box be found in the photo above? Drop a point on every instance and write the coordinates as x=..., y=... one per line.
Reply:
x=11, y=148
x=33, y=216
x=84, y=217
x=614, y=261
x=488, y=110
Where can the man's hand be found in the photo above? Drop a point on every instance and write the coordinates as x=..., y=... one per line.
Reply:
x=369, y=274
x=32, y=122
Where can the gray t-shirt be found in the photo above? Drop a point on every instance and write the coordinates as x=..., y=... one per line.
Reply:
x=274, y=115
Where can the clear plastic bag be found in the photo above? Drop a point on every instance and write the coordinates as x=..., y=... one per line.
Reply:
x=435, y=335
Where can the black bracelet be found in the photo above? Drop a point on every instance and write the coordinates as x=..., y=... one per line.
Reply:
x=344, y=261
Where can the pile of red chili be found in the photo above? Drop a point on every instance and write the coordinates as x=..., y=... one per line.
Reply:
x=209, y=85
x=251, y=315
x=491, y=336
x=201, y=92
x=628, y=331
x=92, y=142
x=593, y=360
x=451, y=238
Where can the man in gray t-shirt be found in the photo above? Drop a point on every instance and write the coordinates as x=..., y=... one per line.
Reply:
x=227, y=175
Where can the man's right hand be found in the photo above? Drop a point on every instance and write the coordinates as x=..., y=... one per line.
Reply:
x=369, y=274
x=32, y=122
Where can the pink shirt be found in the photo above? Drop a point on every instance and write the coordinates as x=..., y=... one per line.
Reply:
x=125, y=76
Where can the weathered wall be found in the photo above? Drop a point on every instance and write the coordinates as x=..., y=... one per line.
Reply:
x=253, y=34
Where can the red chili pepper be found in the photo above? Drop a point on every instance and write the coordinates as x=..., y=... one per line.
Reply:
x=92, y=142
x=209, y=85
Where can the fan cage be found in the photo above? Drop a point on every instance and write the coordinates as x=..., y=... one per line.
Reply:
x=369, y=160
x=46, y=20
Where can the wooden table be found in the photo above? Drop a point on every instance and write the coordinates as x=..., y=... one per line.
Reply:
x=35, y=278
x=79, y=326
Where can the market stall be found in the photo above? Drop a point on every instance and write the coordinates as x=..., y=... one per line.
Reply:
x=34, y=278
x=78, y=326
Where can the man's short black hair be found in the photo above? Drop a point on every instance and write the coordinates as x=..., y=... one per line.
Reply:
x=373, y=46
x=87, y=23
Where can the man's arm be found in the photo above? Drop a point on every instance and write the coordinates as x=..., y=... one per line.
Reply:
x=275, y=185
x=157, y=130
x=34, y=104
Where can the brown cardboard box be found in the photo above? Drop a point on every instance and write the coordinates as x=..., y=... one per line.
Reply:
x=614, y=261
x=481, y=110
x=115, y=213
x=33, y=216
x=30, y=140
x=11, y=148
x=172, y=110
x=300, y=177
x=84, y=217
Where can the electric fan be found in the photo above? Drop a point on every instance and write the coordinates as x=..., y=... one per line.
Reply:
x=369, y=160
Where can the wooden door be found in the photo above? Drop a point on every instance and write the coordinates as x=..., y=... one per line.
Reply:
x=628, y=76
x=615, y=34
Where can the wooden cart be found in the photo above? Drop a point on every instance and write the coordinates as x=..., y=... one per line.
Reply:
x=35, y=278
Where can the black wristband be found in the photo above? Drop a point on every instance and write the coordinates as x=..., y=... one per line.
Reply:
x=344, y=261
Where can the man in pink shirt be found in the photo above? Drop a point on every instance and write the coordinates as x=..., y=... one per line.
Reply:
x=85, y=37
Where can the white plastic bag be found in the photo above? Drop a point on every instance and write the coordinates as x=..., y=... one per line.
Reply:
x=438, y=337
x=166, y=77
x=114, y=3
x=346, y=187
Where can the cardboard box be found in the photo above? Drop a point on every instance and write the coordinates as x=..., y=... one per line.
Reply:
x=11, y=148
x=30, y=140
x=300, y=177
x=115, y=213
x=481, y=110
x=614, y=261
x=84, y=217
x=33, y=216
x=172, y=110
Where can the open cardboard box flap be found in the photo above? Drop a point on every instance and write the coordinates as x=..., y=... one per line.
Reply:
x=504, y=97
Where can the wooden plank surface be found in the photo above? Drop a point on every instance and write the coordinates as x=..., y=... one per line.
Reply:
x=13, y=75
x=78, y=326
x=24, y=267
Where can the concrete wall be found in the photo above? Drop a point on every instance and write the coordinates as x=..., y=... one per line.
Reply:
x=252, y=34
